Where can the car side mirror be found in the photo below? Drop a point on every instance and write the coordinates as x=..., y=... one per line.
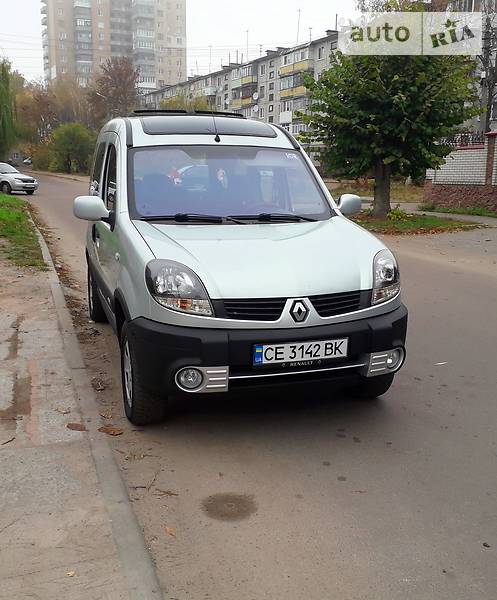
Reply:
x=349, y=204
x=90, y=208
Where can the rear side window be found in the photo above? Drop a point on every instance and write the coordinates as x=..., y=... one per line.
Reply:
x=96, y=175
x=110, y=185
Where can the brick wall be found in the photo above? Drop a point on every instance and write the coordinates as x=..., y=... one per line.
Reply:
x=468, y=177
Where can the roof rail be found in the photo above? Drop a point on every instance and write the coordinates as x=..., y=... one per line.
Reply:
x=142, y=112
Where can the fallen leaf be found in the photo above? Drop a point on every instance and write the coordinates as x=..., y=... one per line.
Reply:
x=169, y=531
x=165, y=492
x=107, y=416
x=76, y=426
x=111, y=430
x=63, y=411
x=71, y=573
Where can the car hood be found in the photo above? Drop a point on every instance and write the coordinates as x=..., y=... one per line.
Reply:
x=19, y=176
x=270, y=260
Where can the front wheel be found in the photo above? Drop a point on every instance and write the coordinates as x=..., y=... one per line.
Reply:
x=369, y=388
x=141, y=407
x=5, y=188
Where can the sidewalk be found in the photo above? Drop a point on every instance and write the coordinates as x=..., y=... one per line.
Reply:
x=83, y=178
x=67, y=529
x=412, y=207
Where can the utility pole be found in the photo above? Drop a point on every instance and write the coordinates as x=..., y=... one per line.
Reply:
x=298, y=26
x=487, y=82
x=247, y=32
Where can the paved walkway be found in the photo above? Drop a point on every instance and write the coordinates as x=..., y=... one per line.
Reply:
x=413, y=208
x=66, y=525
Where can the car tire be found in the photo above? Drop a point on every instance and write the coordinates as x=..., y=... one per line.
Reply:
x=141, y=407
x=5, y=187
x=95, y=308
x=370, y=388
x=30, y=192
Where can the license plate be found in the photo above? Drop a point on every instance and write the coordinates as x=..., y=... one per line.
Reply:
x=271, y=354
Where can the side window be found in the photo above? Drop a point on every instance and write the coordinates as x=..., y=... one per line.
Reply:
x=96, y=174
x=110, y=185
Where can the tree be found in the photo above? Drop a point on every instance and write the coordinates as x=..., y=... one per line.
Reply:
x=114, y=93
x=71, y=148
x=189, y=104
x=36, y=110
x=386, y=114
x=7, y=115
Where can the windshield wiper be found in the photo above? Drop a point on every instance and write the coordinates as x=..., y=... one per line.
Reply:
x=191, y=218
x=274, y=218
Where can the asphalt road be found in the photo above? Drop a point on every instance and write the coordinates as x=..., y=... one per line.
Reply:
x=393, y=499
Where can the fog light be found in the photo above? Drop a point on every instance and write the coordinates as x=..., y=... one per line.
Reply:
x=395, y=358
x=190, y=379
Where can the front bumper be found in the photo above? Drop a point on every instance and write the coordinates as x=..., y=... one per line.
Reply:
x=17, y=186
x=161, y=350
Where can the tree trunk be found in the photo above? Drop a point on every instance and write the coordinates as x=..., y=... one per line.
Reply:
x=382, y=175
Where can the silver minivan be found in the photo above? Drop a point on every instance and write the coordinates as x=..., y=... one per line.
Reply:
x=221, y=260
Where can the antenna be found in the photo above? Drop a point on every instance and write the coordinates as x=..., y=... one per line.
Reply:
x=336, y=21
x=260, y=49
x=310, y=34
x=298, y=26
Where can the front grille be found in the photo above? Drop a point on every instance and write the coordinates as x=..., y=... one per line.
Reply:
x=266, y=309
x=270, y=309
x=330, y=305
x=28, y=180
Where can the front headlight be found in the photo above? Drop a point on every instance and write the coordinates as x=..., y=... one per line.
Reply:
x=386, y=277
x=177, y=287
x=19, y=180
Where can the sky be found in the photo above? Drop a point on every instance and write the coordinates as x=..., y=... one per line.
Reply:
x=215, y=29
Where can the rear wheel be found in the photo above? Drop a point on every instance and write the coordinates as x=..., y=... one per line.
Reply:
x=95, y=307
x=141, y=407
x=369, y=388
x=5, y=188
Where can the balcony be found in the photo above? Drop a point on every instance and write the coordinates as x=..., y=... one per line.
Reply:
x=43, y=9
x=286, y=116
x=248, y=79
x=44, y=21
x=248, y=101
x=236, y=103
x=236, y=83
x=82, y=3
x=209, y=90
x=303, y=65
x=301, y=90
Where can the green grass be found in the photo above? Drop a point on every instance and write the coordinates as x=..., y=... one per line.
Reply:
x=399, y=192
x=18, y=241
x=399, y=222
x=479, y=211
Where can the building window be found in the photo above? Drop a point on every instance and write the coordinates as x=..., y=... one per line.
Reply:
x=62, y=35
x=100, y=12
x=271, y=63
x=271, y=119
x=101, y=25
x=101, y=36
x=321, y=52
x=271, y=74
x=271, y=107
x=178, y=41
x=60, y=11
x=263, y=69
x=271, y=97
x=261, y=112
x=271, y=86
x=262, y=91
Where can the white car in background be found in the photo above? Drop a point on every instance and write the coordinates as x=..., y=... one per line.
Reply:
x=11, y=180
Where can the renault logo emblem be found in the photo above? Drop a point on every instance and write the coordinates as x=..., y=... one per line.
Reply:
x=299, y=311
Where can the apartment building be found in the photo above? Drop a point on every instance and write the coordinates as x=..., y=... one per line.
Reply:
x=270, y=88
x=79, y=35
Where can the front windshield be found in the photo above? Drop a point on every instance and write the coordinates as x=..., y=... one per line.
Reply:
x=5, y=168
x=224, y=181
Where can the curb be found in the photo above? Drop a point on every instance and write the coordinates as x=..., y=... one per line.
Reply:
x=136, y=563
x=79, y=178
